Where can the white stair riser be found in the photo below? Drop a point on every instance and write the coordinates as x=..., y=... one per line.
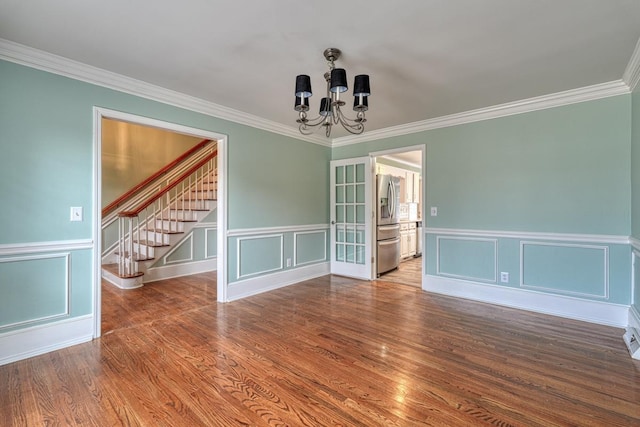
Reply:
x=204, y=194
x=172, y=226
x=190, y=204
x=144, y=250
x=209, y=186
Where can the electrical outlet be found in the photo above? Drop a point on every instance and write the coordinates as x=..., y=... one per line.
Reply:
x=76, y=214
x=434, y=211
x=288, y=262
x=504, y=277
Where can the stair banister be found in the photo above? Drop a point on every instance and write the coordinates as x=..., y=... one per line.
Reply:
x=145, y=216
x=111, y=206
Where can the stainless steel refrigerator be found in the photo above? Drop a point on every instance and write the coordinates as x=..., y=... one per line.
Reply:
x=388, y=224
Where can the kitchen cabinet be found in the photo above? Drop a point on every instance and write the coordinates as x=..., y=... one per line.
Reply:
x=417, y=188
x=407, y=239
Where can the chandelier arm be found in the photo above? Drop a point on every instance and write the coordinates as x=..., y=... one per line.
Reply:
x=353, y=123
x=352, y=126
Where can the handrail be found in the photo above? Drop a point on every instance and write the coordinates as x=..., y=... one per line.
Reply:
x=169, y=187
x=111, y=206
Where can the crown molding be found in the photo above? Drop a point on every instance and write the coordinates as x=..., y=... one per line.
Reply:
x=34, y=58
x=573, y=96
x=631, y=74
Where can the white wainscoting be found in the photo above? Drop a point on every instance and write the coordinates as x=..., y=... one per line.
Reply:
x=186, y=241
x=66, y=280
x=36, y=340
x=296, y=235
x=468, y=239
x=61, y=331
x=257, y=285
x=178, y=270
x=276, y=277
x=605, y=266
x=279, y=265
x=534, y=298
x=600, y=312
x=208, y=230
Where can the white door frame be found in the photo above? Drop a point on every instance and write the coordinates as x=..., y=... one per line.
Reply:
x=423, y=210
x=98, y=114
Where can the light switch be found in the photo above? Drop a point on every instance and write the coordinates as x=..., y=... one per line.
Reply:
x=76, y=213
x=434, y=211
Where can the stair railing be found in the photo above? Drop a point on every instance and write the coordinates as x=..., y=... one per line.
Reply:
x=160, y=173
x=150, y=187
x=149, y=224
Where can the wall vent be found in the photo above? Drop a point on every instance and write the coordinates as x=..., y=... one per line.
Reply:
x=632, y=340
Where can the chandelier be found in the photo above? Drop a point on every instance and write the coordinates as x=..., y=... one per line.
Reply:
x=330, y=106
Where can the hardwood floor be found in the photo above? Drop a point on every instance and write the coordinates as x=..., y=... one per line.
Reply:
x=409, y=272
x=328, y=351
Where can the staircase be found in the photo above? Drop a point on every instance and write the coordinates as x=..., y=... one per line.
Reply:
x=149, y=227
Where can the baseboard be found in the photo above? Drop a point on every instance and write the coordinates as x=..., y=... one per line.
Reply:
x=634, y=317
x=177, y=270
x=257, y=285
x=36, y=340
x=600, y=312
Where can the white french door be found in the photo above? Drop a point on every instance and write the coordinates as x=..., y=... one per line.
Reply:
x=351, y=217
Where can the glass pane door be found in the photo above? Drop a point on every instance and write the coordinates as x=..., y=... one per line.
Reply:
x=351, y=217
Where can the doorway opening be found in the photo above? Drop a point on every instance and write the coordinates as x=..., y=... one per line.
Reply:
x=103, y=121
x=405, y=168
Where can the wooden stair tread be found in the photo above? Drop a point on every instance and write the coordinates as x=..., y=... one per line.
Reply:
x=151, y=243
x=160, y=230
x=178, y=220
x=113, y=269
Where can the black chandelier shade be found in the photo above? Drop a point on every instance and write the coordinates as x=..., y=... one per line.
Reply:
x=338, y=80
x=325, y=107
x=338, y=84
x=303, y=86
x=361, y=85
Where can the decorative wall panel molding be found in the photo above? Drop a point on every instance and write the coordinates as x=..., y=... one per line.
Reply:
x=208, y=230
x=40, y=247
x=565, y=255
x=242, y=255
x=188, y=242
x=42, y=276
x=529, y=235
x=492, y=244
x=298, y=238
x=271, y=230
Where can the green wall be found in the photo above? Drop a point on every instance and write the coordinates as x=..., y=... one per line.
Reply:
x=563, y=170
x=635, y=187
x=509, y=181
x=46, y=166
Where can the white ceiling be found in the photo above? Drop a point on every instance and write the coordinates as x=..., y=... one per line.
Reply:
x=426, y=58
